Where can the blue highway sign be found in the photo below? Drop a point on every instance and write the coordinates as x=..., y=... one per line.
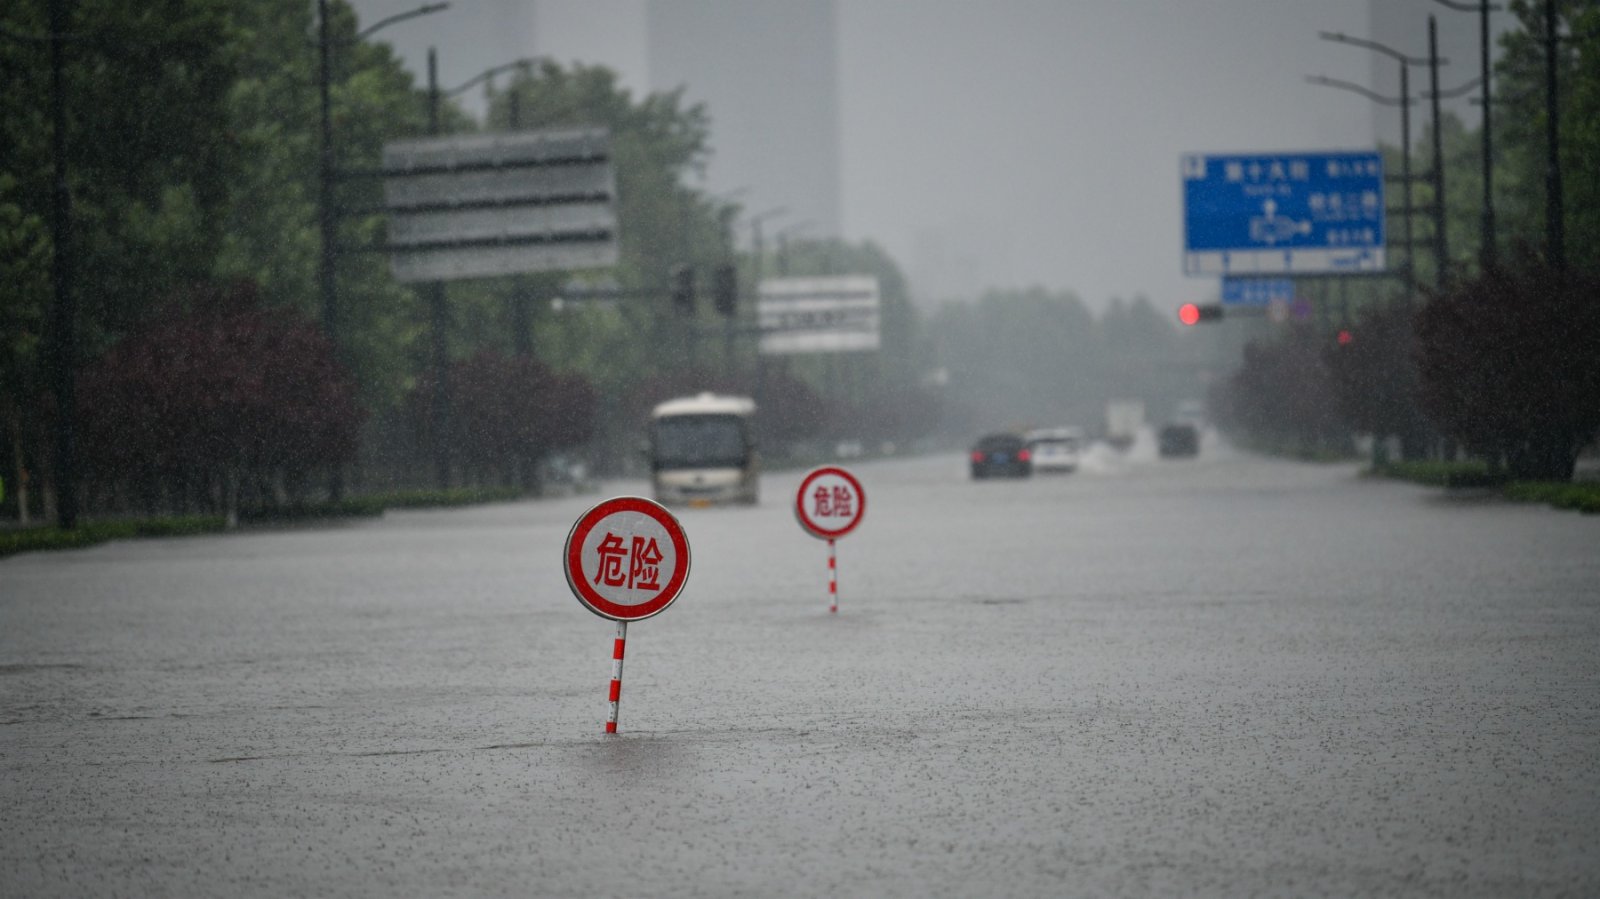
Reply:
x=1256, y=291
x=1288, y=213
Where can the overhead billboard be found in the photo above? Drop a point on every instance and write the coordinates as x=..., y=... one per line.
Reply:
x=834, y=314
x=475, y=206
x=1283, y=213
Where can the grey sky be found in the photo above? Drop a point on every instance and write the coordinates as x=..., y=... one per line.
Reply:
x=1019, y=142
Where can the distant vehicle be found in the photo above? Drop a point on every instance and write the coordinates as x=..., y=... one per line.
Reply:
x=1054, y=449
x=848, y=449
x=1192, y=411
x=1124, y=418
x=1179, y=439
x=702, y=451
x=1001, y=455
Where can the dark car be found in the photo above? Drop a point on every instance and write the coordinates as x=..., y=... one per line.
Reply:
x=1001, y=455
x=1179, y=439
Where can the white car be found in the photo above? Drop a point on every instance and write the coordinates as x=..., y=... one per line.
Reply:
x=1055, y=449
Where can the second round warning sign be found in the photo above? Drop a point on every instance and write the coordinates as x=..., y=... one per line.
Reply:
x=830, y=502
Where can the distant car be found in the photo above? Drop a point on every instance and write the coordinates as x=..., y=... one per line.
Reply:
x=1179, y=439
x=1054, y=449
x=1001, y=455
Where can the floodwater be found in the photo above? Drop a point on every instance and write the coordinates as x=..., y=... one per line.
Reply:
x=1219, y=676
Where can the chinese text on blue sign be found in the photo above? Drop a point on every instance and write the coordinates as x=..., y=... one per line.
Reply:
x=1283, y=213
x=1256, y=291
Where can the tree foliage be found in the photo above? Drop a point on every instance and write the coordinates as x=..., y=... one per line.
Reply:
x=219, y=384
x=507, y=410
x=1510, y=365
x=1374, y=373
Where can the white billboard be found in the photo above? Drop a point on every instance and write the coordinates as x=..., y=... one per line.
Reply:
x=474, y=206
x=834, y=314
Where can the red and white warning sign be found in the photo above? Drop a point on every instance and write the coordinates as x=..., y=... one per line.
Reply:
x=829, y=503
x=627, y=559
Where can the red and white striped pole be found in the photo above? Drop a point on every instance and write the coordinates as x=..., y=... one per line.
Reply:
x=616, y=676
x=833, y=579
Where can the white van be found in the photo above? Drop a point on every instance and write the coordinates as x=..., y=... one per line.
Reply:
x=702, y=451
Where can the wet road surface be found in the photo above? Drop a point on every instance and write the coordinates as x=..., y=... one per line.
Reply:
x=1223, y=677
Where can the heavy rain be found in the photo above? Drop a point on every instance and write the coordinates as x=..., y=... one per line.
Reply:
x=817, y=448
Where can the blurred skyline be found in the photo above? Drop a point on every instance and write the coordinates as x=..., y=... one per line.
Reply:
x=996, y=145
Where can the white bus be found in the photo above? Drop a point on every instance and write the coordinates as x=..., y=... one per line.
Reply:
x=703, y=451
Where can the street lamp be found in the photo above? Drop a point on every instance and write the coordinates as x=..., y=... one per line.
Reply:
x=327, y=215
x=783, y=242
x=1488, y=250
x=438, y=312
x=758, y=249
x=1404, y=102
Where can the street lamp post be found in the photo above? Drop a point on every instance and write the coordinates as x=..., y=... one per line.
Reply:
x=438, y=310
x=1555, y=228
x=327, y=212
x=1441, y=246
x=758, y=249
x=783, y=243
x=1489, y=250
x=1404, y=103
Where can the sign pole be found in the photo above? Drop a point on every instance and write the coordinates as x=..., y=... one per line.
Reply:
x=626, y=560
x=833, y=580
x=829, y=504
x=616, y=676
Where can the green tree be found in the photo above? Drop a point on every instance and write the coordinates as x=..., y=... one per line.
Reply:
x=1509, y=365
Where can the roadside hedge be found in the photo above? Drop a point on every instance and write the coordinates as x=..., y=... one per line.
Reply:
x=1582, y=496
x=92, y=532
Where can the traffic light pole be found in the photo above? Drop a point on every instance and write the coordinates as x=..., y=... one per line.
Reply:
x=438, y=322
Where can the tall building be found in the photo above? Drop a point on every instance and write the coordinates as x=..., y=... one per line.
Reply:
x=767, y=73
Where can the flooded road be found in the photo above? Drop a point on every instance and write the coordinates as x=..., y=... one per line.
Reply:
x=1220, y=676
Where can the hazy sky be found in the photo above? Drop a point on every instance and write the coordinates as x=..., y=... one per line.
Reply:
x=1020, y=142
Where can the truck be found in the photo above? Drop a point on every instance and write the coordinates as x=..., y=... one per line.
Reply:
x=1124, y=418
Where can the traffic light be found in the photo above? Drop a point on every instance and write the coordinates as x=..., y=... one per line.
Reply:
x=725, y=290
x=683, y=290
x=1195, y=313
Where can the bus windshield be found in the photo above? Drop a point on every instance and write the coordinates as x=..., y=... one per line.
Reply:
x=699, y=441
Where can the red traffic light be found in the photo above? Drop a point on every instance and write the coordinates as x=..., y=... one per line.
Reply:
x=1345, y=337
x=1194, y=313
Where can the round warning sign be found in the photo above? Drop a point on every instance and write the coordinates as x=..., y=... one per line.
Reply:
x=626, y=559
x=829, y=503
